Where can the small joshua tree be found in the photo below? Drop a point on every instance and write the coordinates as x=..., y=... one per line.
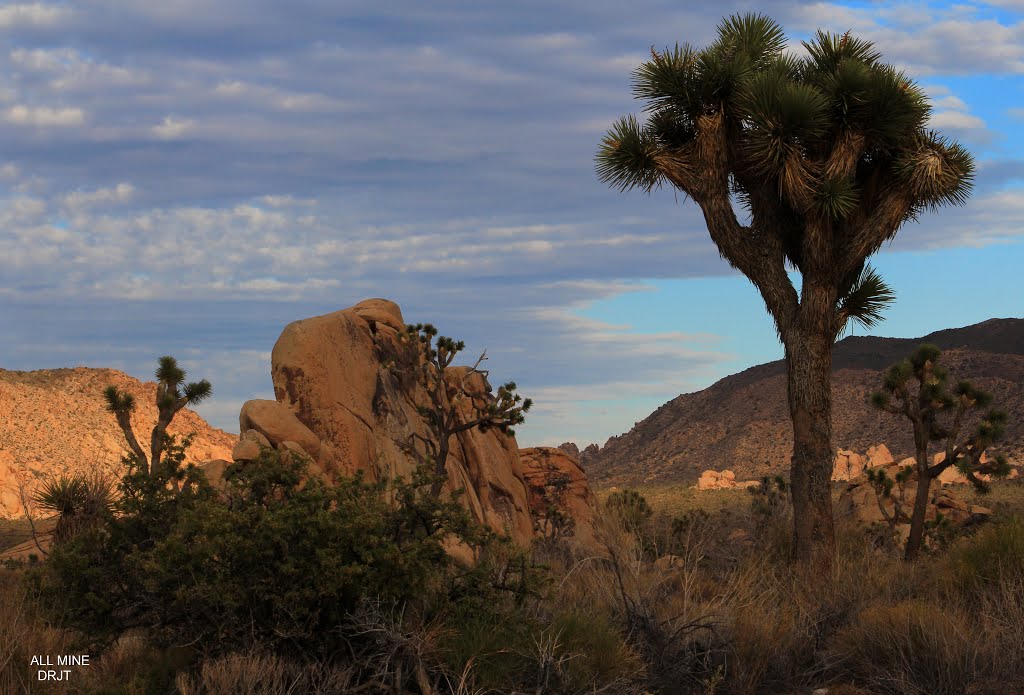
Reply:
x=883, y=485
x=171, y=397
x=455, y=403
x=939, y=415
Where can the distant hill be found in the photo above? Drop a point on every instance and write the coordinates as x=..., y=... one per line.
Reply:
x=742, y=422
x=54, y=421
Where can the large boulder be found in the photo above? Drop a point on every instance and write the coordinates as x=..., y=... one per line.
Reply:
x=277, y=424
x=330, y=373
x=847, y=465
x=557, y=484
x=878, y=455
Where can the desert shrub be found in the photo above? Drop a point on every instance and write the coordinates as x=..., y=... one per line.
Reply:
x=355, y=575
x=913, y=647
x=630, y=508
x=599, y=654
x=280, y=566
x=993, y=555
x=81, y=502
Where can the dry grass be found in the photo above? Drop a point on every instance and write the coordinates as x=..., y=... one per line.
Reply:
x=882, y=627
x=738, y=621
x=23, y=635
x=263, y=674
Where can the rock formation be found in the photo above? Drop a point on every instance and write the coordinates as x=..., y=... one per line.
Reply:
x=571, y=449
x=859, y=503
x=588, y=454
x=557, y=483
x=54, y=422
x=337, y=401
x=848, y=465
x=726, y=480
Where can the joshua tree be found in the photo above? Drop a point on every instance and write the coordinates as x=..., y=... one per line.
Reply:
x=829, y=155
x=170, y=398
x=451, y=393
x=938, y=415
x=882, y=484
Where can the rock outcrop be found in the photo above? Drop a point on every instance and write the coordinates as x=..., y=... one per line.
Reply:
x=726, y=480
x=558, y=488
x=55, y=421
x=337, y=401
x=849, y=465
x=858, y=502
x=571, y=449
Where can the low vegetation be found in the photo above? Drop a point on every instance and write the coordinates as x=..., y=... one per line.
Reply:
x=291, y=587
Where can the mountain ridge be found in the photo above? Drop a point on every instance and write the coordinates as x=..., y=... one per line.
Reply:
x=741, y=421
x=54, y=421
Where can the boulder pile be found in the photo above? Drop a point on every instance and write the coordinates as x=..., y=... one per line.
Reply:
x=859, y=502
x=726, y=480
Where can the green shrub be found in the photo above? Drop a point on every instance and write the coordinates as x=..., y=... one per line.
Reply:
x=279, y=566
x=993, y=555
x=630, y=507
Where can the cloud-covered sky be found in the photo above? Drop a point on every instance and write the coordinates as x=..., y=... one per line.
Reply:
x=187, y=178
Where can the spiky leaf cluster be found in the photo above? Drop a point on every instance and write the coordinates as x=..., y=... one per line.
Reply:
x=80, y=502
x=918, y=388
x=831, y=132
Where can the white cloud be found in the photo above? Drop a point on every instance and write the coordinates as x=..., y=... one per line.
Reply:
x=44, y=116
x=120, y=193
x=31, y=15
x=172, y=128
x=955, y=119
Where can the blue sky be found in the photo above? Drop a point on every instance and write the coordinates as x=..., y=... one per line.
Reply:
x=187, y=178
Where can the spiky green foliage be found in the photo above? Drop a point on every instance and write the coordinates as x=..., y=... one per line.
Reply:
x=455, y=401
x=918, y=388
x=80, y=503
x=171, y=397
x=868, y=297
x=837, y=135
x=630, y=507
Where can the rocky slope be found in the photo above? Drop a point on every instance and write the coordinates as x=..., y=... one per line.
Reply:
x=741, y=423
x=54, y=421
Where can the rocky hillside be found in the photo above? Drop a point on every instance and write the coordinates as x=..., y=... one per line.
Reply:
x=54, y=421
x=741, y=423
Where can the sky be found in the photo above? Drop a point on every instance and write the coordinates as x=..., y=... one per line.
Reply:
x=188, y=177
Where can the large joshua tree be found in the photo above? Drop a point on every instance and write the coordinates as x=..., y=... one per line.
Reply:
x=829, y=155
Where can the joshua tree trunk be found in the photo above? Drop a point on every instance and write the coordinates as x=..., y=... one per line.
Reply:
x=440, y=465
x=924, y=485
x=809, y=376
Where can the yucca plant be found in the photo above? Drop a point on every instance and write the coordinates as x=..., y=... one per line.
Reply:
x=80, y=502
x=829, y=154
